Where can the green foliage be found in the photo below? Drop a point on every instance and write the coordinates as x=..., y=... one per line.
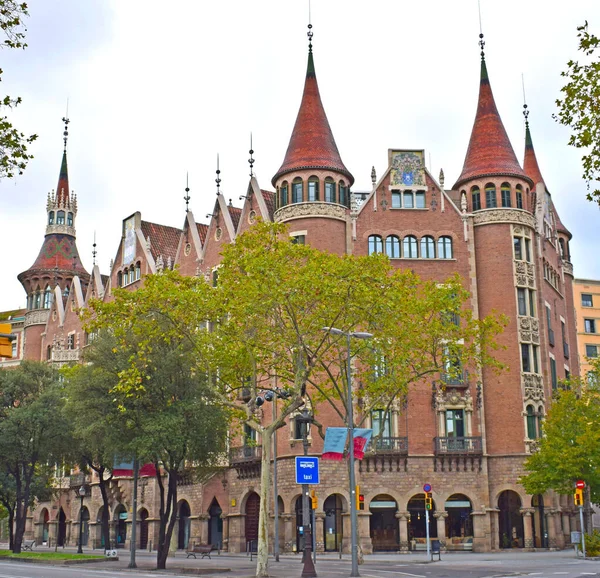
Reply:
x=578, y=108
x=14, y=154
x=570, y=448
x=592, y=544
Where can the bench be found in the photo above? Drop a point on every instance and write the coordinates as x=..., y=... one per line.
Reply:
x=203, y=549
x=27, y=545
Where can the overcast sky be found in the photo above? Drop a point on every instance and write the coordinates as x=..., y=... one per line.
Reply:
x=159, y=88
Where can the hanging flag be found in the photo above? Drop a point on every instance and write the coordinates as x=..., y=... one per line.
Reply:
x=335, y=443
x=362, y=437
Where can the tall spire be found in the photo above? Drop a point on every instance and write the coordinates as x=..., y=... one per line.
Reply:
x=62, y=190
x=312, y=145
x=530, y=164
x=490, y=152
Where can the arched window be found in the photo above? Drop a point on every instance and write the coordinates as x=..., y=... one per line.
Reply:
x=409, y=247
x=427, y=247
x=531, y=423
x=38, y=299
x=329, y=190
x=392, y=247
x=70, y=219
x=297, y=190
x=505, y=195
x=375, y=244
x=540, y=417
x=445, y=248
x=51, y=218
x=119, y=279
x=490, y=196
x=284, y=194
x=138, y=270
x=313, y=188
x=343, y=193
x=131, y=274
x=519, y=194
x=60, y=218
x=47, y=297
x=475, y=199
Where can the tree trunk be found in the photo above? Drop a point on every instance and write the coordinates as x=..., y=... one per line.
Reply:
x=21, y=517
x=262, y=554
x=11, y=528
x=105, y=507
x=168, y=517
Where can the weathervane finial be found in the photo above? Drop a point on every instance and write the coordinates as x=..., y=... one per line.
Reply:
x=218, y=179
x=310, y=32
x=66, y=131
x=187, y=193
x=94, y=252
x=525, y=111
x=481, y=40
x=251, y=159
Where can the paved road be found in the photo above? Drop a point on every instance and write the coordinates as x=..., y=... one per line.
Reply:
x=456, y=565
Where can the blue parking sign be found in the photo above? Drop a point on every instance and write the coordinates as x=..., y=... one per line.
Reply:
x=307, y=470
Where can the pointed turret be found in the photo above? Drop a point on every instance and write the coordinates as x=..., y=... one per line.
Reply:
x=490, y=152
x=312, y=145
x=530, y=164
x=62, y=189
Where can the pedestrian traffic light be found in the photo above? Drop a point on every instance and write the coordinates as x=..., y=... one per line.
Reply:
x=314, y=502
x=6, y=339
x=428, y=501
x=578, y=497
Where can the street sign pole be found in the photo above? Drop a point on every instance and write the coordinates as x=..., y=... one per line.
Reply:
x=427, y=530
x=582, y=530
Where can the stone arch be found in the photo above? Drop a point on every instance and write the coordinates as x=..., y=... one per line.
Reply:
x=333, y=531
x=244, y=497
x=459, y=522
x=215, y=523
x=251, y=512
x=510, y=519
x=417, y=519
x=44, y=526
x=143, y=516
x=184, y=524
x=384, y=490
x=383, y=524
x=120, y=518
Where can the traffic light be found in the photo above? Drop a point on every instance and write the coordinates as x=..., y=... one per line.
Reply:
x=314, y=502
x=578, y=497
x=6, y=338
x=360, y=499
x=428, y=501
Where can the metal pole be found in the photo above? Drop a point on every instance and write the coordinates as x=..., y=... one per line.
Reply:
x=314, y=536
x=427, y=533
x=275, y=495
x=353, y=516
x=582, y=530
x=308, y=570
x=132, y=545
x=80, y=546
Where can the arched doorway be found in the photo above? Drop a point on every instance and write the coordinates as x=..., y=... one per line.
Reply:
x=62, y=528
x=459, y=523
x=252, y=512
x=299, y=525
x=120, y=526
x=384, y=524
x=333, y=507
x=215, y=524
x=183, y=535
x=143, y=528
x=417, y=524
x=45, y=525
x=540, y=530
x=510, y=520
x=85, y=524
x=99, y=534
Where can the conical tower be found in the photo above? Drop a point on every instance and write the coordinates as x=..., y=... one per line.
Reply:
x=57, y=262
x=313, y=183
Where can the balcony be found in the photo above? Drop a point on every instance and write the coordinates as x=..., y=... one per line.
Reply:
x=455, y=379
x=389, y=445
x=386, y=454
x=245, y=454
x=566, y=349
x=454, y=446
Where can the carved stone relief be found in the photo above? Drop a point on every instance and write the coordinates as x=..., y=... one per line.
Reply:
x=37, y=317
x=504, y=216
x=533, y=385
x=299, y=210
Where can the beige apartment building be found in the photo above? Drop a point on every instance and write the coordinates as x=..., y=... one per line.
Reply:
x=587, y=307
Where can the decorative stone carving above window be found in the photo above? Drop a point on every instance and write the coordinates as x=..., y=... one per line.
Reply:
x=533, y=386
x=529, y=329
x=453, y=398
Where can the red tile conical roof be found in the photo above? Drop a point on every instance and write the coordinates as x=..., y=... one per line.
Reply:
x=530, y=163
x=312, y=145
x=62, y=190
x=490, y=152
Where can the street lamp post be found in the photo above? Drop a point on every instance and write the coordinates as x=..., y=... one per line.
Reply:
x=352, y=481
x=81, y=496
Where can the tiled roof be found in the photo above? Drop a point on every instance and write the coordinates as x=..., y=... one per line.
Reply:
x=58, y=251
x=163, y=240
x=235, y=213
x=269, y=197
x=490, y=152
x=202, y=232
x=312, y=145
x=559, y=225
x=530, y=164
x=62, y=189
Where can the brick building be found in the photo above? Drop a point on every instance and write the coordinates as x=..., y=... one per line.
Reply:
x=496, y=226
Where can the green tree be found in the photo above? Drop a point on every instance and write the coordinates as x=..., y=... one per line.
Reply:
x=171, y=417
x=14, y=154
x=33, y=432
x=262, y=323
x=578, y=108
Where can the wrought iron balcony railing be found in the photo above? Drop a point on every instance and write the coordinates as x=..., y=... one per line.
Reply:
x=389, y=445
x=245, y=454
x=458, y=445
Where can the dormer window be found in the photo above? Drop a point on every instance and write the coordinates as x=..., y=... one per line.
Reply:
x=70, y=219
x=51, y=218
x=297, y=191
x=329, y=190
x=60, y=218
x=313, y=189
x=343, y=193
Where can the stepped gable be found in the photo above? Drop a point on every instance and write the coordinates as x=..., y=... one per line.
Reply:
x=269, y=197
x=312, y=145
x=202, y=232
x=164, y=240
x=530, y=163
x=490, y=152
